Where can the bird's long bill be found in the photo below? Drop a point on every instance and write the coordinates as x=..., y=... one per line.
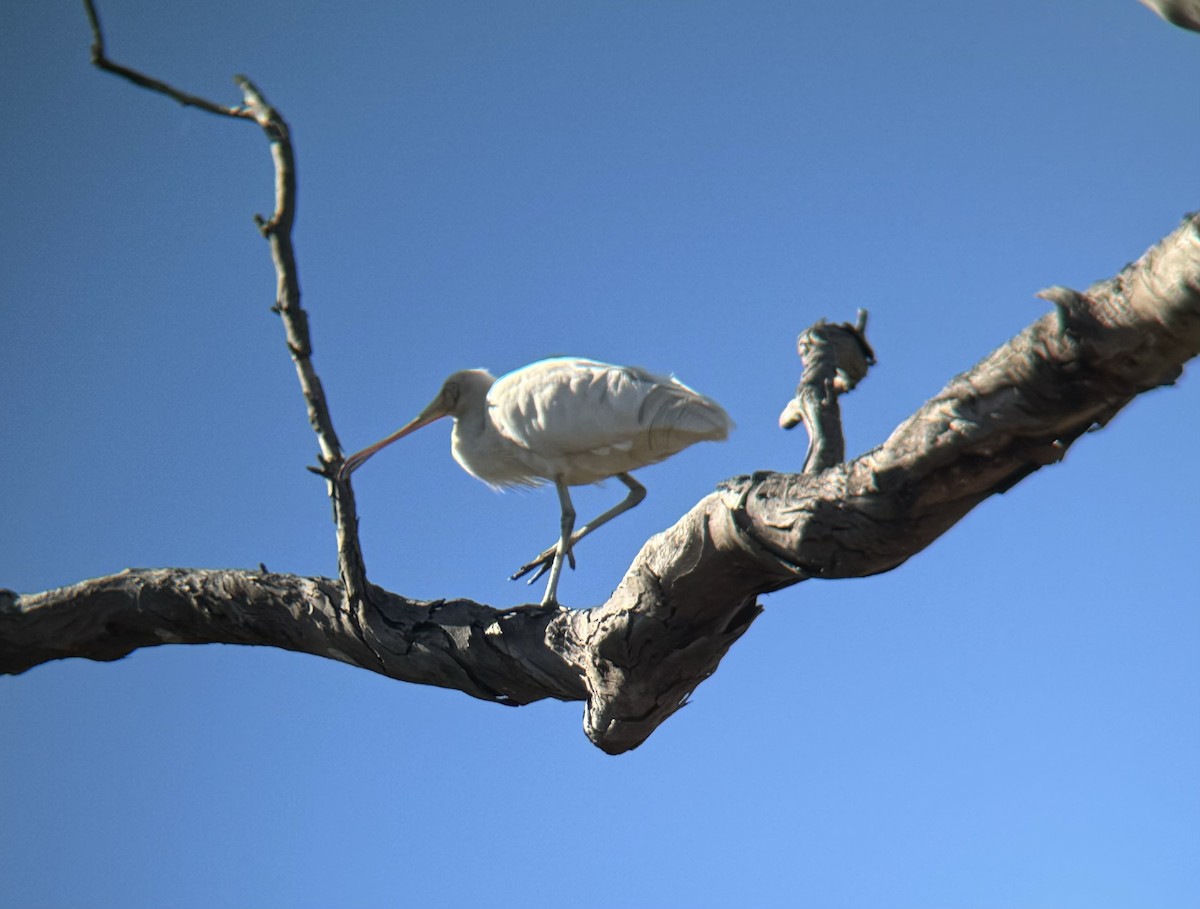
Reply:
x=435, y=411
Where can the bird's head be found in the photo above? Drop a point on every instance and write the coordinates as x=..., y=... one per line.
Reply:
x=462, y=391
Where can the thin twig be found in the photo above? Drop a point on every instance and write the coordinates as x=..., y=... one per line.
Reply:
x=100, y=59
x=278, y=232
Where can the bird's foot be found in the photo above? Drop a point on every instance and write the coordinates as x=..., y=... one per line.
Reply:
x=542, y=563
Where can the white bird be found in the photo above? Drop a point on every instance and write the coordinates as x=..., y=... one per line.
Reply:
x=570, y=422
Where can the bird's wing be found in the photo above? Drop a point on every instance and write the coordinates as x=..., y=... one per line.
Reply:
x=566, y=406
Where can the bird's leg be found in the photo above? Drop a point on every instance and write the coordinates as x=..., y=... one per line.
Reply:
x=567, y=524
x=563, y=549
x=544, y=562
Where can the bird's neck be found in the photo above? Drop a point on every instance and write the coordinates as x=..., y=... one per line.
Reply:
x=470, y=434
x=471, y=424
x=484, y=453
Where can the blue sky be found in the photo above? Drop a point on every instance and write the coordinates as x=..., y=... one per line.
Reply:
x=1009, y=720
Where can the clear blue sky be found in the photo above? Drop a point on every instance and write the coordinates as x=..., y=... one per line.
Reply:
x=1009, y=720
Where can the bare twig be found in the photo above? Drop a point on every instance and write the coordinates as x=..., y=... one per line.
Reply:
x=278, y=232
x=187, y=100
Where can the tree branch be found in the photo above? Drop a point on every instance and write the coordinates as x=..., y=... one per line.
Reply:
x=453, y=644
x=100, y=59
x=691, y=590
x=278, y=232
x=835, y=358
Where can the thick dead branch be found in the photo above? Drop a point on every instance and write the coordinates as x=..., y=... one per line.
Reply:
x=453, y=644
x=691, y=591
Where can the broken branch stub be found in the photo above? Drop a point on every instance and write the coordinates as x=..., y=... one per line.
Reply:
x=835, y=359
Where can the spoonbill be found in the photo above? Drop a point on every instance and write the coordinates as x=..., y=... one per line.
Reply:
x=570, y=422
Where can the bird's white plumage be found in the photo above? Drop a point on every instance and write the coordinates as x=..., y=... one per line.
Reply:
x=567, y=421
x=584, y=421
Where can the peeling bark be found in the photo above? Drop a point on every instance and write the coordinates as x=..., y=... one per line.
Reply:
x=484, y=652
